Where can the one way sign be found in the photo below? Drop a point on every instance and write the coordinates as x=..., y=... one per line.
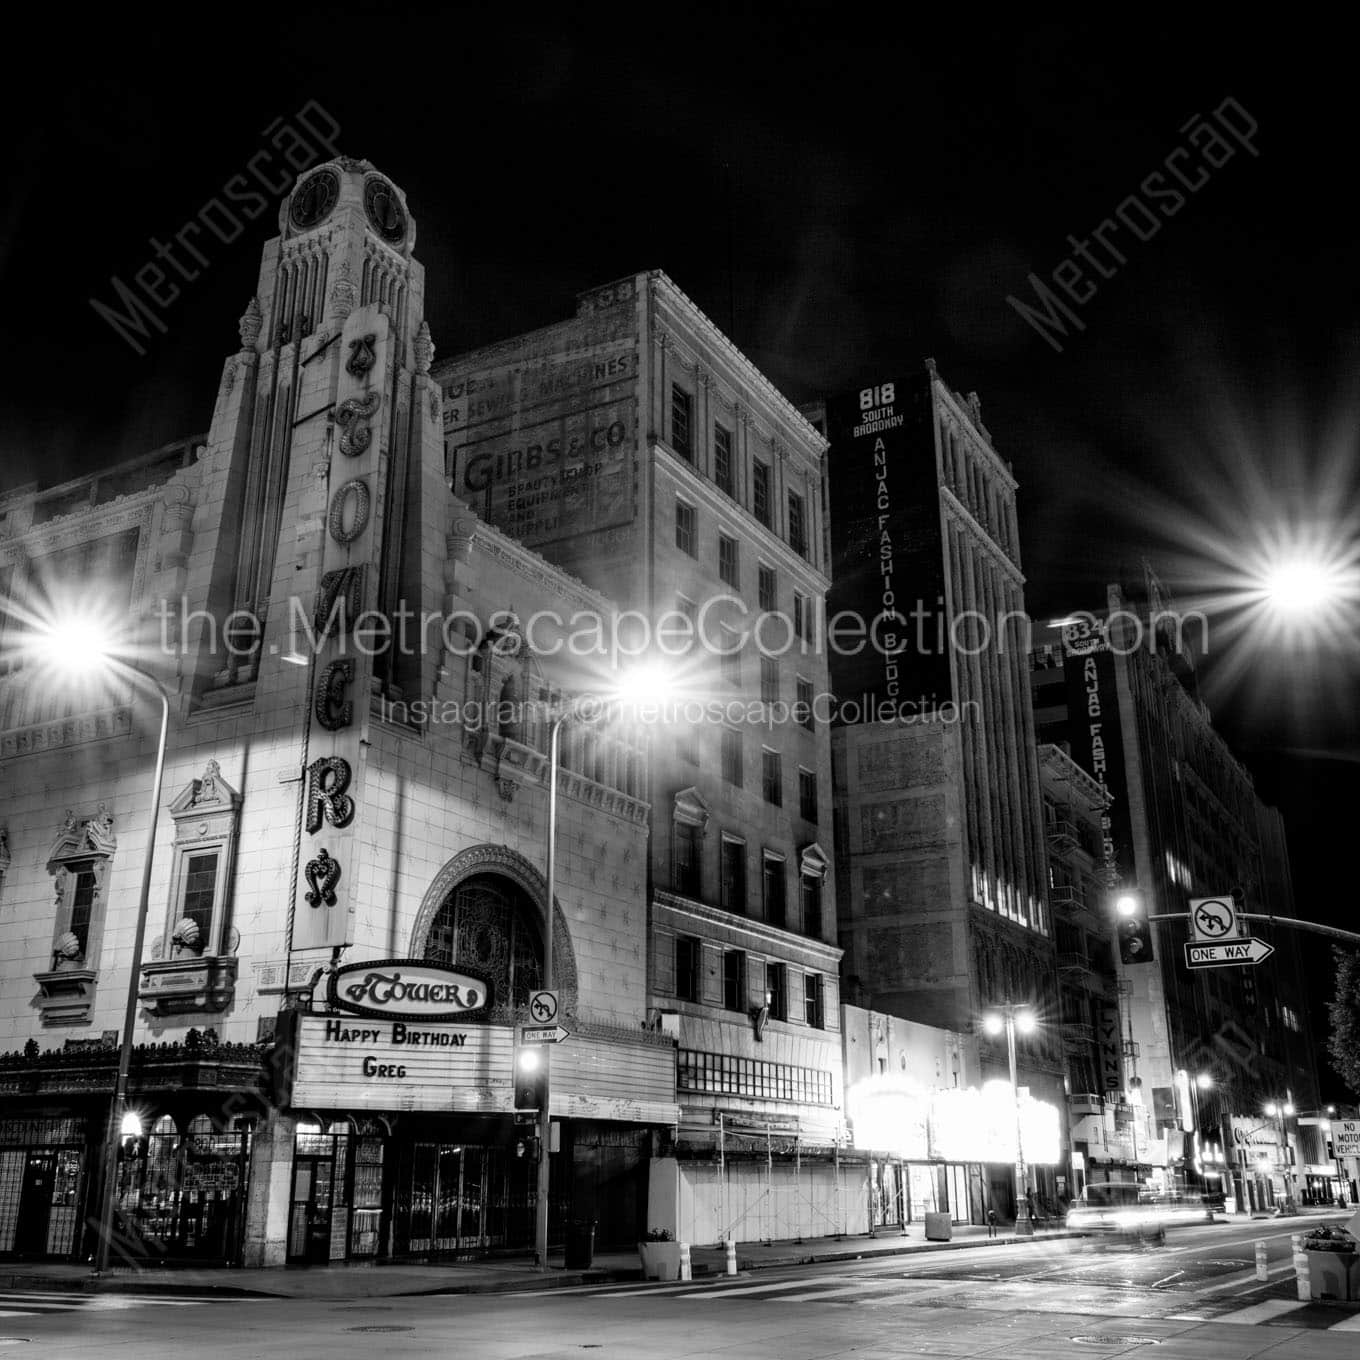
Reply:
x=1226, y=953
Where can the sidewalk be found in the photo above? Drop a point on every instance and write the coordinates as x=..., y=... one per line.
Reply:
x=485, y=1277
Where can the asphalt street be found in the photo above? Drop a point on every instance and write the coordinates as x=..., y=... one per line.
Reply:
x=1196, y=1297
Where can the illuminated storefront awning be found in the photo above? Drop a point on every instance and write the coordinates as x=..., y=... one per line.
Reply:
x=895, y=1117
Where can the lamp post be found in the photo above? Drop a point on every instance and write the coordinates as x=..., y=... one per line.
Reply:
x=545, y=1112
x=640, y=687
x=1279, y=1111
x=73, y=646
x=1011, y=1017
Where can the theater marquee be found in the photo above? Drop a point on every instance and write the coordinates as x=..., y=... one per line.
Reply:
x=408, y=989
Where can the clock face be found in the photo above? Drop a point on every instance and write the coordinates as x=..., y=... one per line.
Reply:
x=384, y=210
x=313, y=202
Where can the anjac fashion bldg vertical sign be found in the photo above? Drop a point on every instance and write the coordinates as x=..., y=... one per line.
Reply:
x=1096, y=734
x=887, y=549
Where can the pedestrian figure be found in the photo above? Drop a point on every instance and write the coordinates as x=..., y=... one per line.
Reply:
x=991, y=1222
x=1029, y=1204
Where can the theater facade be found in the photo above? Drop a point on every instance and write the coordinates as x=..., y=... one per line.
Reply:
x=347, y=908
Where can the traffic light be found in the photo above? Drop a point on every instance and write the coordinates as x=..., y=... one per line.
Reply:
x=531, y=1078
x=526, y=1148
x=1134, y=928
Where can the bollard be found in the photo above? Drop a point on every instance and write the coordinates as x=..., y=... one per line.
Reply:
x=686, y=1269
x=1262, y=1273
x=731, y=1256
x=1301, y=1268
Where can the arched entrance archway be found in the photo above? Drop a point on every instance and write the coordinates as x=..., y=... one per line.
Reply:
x=485, y=909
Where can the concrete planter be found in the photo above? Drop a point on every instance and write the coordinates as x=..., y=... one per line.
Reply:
x=660, y=1260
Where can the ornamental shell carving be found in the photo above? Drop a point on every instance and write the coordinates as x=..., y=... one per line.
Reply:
x=186, y=933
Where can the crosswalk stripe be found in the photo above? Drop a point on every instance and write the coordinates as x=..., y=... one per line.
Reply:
x=1261, y=1312
x=742, y=1291
x=815, y=1295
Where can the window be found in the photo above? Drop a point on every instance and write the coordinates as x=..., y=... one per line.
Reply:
x=802, y=616
x=685, y=862
x=766, y=589
x=729, y=568
x=687, y=741
x=772, y=887
x=200, y=880
x=810, y=894
x=772, y=778
x=729, y=656
x=731, y=756
x=797, y=524
x=687, y=954
x=204, y=814
x=777, y=985
x=760, y=492
x=802, y=709
x=727, y=1074
x=812, y=1001
x=722, y=458
x=682, y=423
x=689, y=611
x=82, y=901
x=807, y=795
x=734, y=980
x=769, y=680
x=79, y=863
x=684, y=528
x=732, y=889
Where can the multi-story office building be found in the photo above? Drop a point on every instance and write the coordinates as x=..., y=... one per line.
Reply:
x=347, y=906
x=1183, y=822
x=1109, y=1134
x=634, y=446
x=942, y=896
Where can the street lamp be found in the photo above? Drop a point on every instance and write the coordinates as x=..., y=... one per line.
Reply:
x=76, y=646
x=643, y=686
x=1280, y=1111
x=1011, y=1017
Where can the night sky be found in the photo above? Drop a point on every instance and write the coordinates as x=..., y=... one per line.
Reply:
x=844, y=194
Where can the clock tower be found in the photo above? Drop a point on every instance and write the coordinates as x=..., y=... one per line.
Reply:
x=326, y=455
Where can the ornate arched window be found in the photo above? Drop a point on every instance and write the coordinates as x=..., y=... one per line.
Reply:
x=489, y=924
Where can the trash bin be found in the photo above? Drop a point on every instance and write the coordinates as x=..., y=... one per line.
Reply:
x=581, y=1244
x=939, y=1228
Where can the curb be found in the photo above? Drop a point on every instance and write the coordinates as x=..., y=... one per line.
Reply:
x=907, y=1249
x=121, y=1283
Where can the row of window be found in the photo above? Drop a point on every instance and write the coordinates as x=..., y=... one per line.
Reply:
x=723, y=1074
x=729, y=567
x=689, y=956
x=727, y=642
x=687, y=879
x=771, y=772
x=724, y=470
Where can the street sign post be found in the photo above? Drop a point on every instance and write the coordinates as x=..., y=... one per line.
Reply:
x=1227, y=953
x=1213, y=918
x=543, y=1034
x=543, y=1007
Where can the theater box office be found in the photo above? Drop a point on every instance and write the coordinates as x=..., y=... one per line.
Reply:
x=406, y=1141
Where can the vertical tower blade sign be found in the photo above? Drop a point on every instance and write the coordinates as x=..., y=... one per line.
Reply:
x=348, y=370
x=354, y=384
